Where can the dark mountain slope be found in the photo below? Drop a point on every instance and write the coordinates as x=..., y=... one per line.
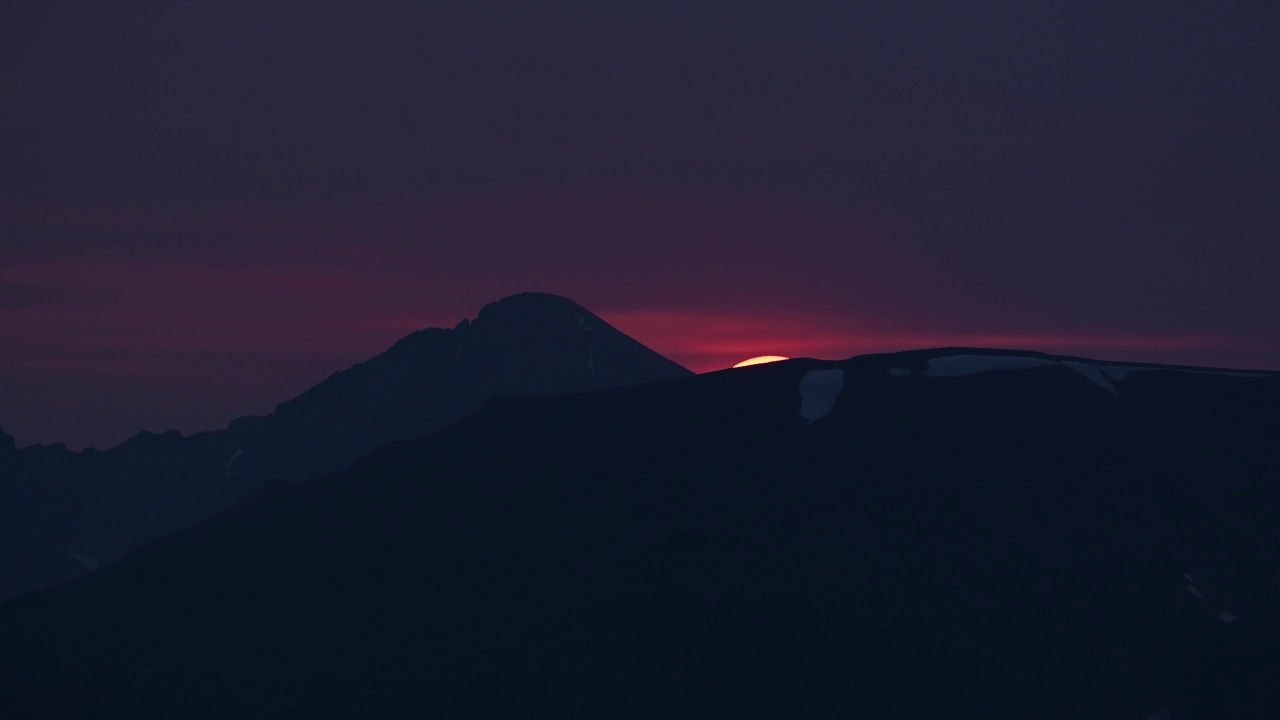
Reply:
x=62, y=513
x=1056, y=541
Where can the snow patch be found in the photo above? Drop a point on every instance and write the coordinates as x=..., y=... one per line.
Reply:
x=1224, y=373
x=1227, y=616
x=1189, y=578
x=1163, y=714
x=591, y=358
x=234, y=455
x=958, y=365
x=818, y=392
x=1116, y=373
x=1095, y=373
x=898, y=372
x=1194, y=591
x=460, y=346
x=86, y=561
x=1104, y=376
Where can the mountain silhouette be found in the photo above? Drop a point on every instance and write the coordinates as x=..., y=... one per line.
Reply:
x=64, y=513
x=943, y=533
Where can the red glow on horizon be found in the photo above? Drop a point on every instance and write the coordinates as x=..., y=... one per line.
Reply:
x=706, y=342
x=97, y=347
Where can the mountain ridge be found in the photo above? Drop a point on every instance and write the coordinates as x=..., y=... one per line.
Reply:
x=57, y=505
x=1004, y=542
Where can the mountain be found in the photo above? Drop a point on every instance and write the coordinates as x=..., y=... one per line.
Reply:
x=64, y=513
x=945, y=533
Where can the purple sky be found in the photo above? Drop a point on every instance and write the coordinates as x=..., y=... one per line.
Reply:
x=206, y=210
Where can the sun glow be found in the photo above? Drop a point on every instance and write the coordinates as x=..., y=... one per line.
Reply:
x=761, y=360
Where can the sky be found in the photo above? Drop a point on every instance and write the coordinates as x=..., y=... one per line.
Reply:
x=206, y=208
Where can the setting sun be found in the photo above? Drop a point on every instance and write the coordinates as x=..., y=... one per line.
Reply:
x=761, y=360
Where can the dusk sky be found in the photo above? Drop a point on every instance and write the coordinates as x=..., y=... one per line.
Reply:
x=206, y=208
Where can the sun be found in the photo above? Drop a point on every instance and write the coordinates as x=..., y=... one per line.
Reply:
x=761, y=360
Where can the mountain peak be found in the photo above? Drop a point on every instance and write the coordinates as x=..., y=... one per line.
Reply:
x=526, y=344
x=530, y=306
x=524, y=313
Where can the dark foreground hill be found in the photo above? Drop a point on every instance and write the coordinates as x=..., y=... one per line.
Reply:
x=63, y=513
x=937, y=534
